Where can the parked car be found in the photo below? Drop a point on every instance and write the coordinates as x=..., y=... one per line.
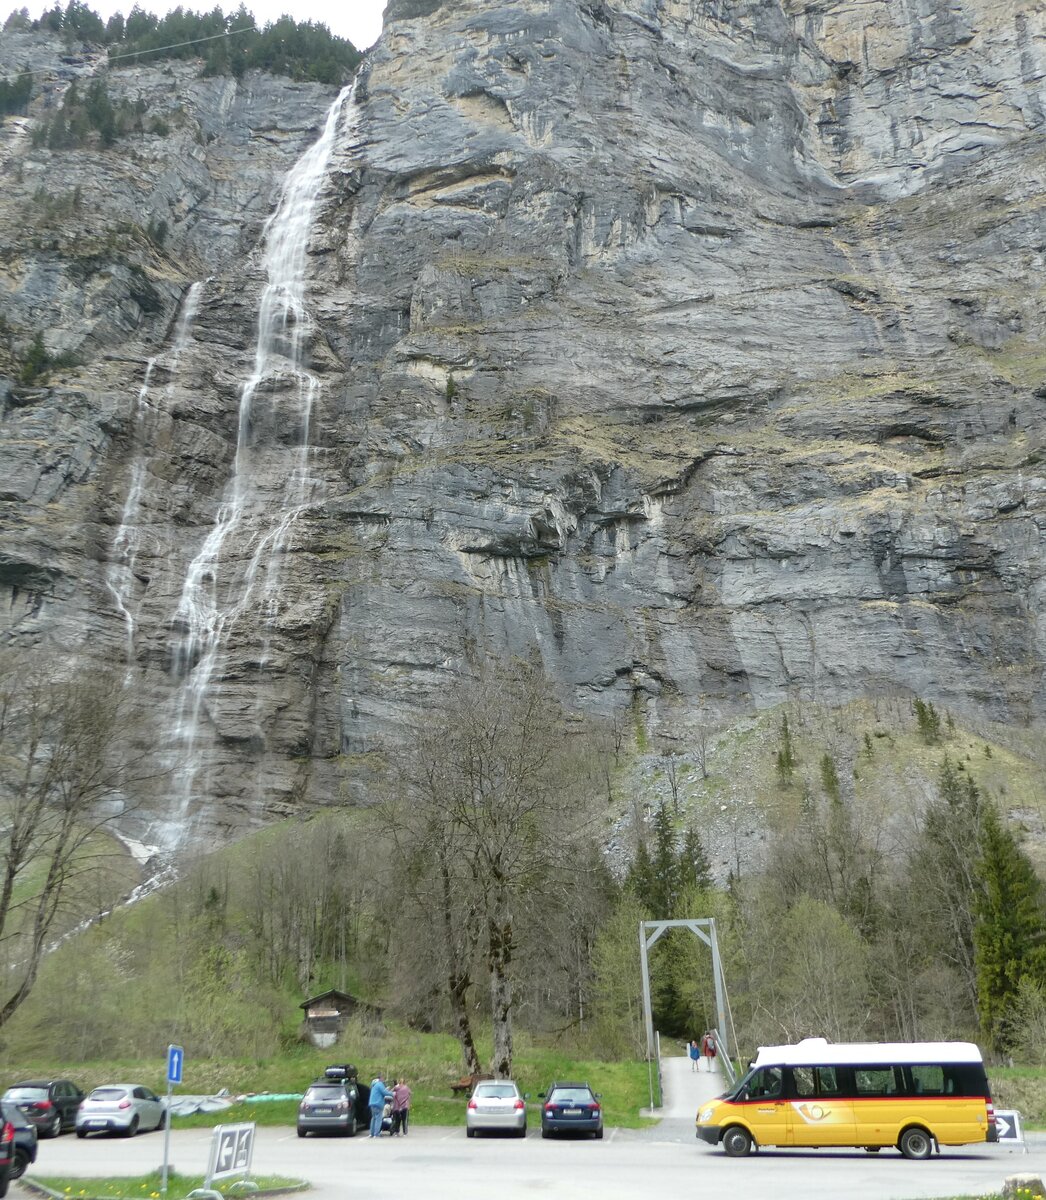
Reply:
x=496, y=1105
x=7, y=1153
x=328, y=1107
x=51, y=1104
x=334, y=1104
x=25, y=1137
x=571, y=1108
x=126, y=1108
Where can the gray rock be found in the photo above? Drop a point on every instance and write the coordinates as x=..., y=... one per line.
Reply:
x=691, y=347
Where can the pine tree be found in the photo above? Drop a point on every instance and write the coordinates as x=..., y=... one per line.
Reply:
x=695, y=871
x=640, y=878
x=1010, y=930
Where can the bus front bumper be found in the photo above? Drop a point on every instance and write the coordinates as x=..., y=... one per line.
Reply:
x=709, y=1134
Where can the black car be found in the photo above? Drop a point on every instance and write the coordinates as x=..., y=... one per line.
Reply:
x=334, y=1104
x=7, y=1153
x=25, y=1137
x=50, y=1104
x=571, y=1108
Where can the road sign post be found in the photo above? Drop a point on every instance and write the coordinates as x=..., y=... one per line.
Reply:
x=175, y=1060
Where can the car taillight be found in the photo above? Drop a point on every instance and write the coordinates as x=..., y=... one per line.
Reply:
x=43, y=1105
x=124, y=1103
x=8, y=1134
x=518, y=1106
x=550, y=1108
x=991, y=1112
x=472, y=1106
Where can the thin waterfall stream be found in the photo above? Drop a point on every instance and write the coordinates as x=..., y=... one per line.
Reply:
x=123, y=556
x=271, y=483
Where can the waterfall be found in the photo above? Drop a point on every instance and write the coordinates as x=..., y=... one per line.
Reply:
x=269, y=486
x=123, y=554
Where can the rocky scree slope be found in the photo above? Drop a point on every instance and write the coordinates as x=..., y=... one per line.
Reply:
x=694, y=347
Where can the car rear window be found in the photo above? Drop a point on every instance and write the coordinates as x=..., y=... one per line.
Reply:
x=26, y=1093
x=108, y=1093
x=325, y=1093
x=499, y=1091
x=571, y=1096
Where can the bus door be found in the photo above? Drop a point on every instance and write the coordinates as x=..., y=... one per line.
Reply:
x=820, y=1112
x=766, y=1108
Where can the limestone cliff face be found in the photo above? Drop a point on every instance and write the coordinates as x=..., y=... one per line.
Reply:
x=693, y=346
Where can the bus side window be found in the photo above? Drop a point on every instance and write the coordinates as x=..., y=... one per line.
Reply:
x=766, y=1084
x=828, y=1082
x=928, y=1081
x=804, y=1081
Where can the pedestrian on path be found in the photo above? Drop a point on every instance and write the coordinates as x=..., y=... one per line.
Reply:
x=379, y=1093
x=694, y=1052
x=708, y=1050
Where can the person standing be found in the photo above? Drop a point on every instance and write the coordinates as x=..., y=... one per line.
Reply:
x=379, y=1093
x=400, y=1107
x=694, y=1051
x=708, y=1049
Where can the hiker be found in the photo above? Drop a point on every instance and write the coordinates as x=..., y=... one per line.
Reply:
x=379, y=1093
x=708, y=1050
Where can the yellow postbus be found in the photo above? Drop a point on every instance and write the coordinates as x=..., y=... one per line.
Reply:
x=912, y=1095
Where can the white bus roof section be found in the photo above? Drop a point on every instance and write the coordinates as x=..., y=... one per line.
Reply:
x=817, y=1052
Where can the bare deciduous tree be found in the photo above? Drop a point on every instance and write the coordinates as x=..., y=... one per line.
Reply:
x=65, y=774
x=494, y=804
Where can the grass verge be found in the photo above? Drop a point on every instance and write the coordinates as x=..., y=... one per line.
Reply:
x=147, y=1187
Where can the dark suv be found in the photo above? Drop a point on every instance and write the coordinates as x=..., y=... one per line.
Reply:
x=25, y=1137
x=333, y=1104
x=50, y=1104
x=7, y=1153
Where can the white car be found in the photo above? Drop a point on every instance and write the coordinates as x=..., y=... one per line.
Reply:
x=496, y=1105
x=126, y=1108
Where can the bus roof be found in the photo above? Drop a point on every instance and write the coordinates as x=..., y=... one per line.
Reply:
x=818, y=1052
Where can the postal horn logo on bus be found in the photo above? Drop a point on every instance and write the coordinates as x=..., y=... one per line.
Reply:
x=812, y=1113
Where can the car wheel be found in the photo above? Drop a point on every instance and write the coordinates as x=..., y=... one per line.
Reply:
x=470, y=1133
x=55, y=1128
x=737, y=1142
x=301, y=1132
x=162, y=1121
x=350, y=1129
x=521, y=1132
x=81, y=1133
x=132, y=1129
x=19, y=1164
x=915, y=1143
x=599, y=1134
x=546, y=1133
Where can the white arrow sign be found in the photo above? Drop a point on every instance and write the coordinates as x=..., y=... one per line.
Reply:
x=1008, y=1125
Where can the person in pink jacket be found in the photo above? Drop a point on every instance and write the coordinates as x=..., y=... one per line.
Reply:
x=400, y=1107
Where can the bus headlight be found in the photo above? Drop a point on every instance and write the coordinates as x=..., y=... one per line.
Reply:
x=705, y=1115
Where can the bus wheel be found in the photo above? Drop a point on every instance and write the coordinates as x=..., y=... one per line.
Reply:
x=915, y=1143
x=737, y=1142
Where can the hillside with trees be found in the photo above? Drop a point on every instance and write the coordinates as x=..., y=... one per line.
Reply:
x=227, y=44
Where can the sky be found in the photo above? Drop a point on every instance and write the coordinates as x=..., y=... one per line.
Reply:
x=357, y=20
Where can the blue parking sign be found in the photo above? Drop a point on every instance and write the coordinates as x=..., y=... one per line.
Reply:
x=175, y=1055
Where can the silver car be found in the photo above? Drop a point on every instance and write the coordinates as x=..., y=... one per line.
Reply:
x=126, y=1108
x=496, y=1105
